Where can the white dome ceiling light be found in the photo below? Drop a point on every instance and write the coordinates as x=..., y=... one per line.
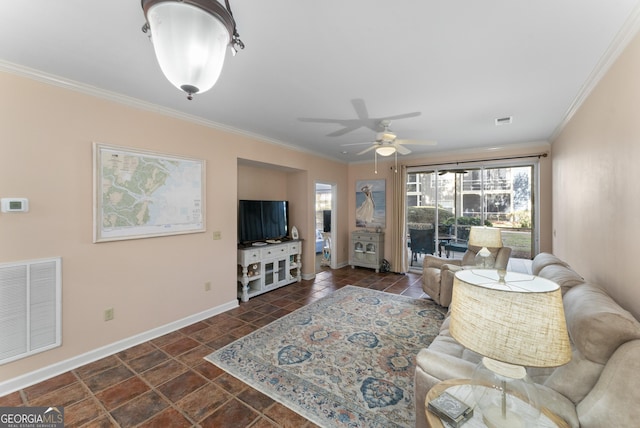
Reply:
x=190, y=39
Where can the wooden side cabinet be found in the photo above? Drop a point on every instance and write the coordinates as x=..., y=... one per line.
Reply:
x=261, y=269
x=367, y=249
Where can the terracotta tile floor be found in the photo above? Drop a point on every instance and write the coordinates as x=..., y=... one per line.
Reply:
x=166, y=383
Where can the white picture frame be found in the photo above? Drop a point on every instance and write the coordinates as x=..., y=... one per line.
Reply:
x=144, y=194
x=294, y=233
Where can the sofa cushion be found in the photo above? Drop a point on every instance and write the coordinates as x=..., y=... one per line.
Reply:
x=597, y=325
x=613, y=402
x=443, y=365
x=575, y=379
x=562, y=275
x=545, y=259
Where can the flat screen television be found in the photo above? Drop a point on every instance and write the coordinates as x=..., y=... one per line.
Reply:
x=262, y=220
x=326, y=220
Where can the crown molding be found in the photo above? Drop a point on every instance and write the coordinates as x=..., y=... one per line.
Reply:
x=515, y=149
x=617, y=46
x=72, y=85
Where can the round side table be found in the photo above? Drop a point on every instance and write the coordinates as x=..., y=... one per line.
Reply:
x=456, y=387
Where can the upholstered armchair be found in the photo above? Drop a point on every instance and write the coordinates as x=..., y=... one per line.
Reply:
x=438, y=272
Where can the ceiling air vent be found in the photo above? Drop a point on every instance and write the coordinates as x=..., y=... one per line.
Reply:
x=504, y=120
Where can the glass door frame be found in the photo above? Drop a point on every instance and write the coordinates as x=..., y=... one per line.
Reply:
x=534, y=186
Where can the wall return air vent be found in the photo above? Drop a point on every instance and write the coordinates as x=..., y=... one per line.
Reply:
x=30, y=302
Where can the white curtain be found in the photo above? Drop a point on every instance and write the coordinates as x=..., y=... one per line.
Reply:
x=398, y=235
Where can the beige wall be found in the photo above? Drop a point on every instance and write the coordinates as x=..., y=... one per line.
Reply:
x=46, y=137
x=261, y=182
x=596, y=193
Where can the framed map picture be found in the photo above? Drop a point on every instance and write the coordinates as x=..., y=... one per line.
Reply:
x=142, y=194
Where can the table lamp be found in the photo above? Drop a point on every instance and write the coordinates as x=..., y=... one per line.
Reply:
x=513, y=322
x=485, y=237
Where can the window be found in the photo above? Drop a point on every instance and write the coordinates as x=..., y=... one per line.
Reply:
x=499, y=196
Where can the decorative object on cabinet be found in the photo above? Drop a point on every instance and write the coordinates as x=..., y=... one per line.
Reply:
x=294, y=233
x=268, y=267
x=370, y=203
x=367, y=249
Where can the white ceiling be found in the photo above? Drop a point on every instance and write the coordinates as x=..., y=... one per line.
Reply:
x=312, y=68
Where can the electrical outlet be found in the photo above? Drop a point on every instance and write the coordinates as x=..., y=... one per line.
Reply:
x=207, y=286
x=108, y=314
x=217, y=235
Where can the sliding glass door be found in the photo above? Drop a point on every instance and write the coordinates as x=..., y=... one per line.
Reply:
x=449, y=201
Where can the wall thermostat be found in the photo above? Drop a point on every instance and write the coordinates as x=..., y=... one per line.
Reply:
x=14, y=205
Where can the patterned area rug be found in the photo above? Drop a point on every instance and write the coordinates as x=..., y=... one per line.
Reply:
x=346, y=360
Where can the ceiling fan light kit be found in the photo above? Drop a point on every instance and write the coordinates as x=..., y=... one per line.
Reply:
x=387, y=144
x=190, y=39
x=386, y=150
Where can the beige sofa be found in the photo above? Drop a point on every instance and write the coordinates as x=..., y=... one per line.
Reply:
x=599, y=387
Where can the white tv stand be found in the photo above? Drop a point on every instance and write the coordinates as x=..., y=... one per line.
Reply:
x=265, y=268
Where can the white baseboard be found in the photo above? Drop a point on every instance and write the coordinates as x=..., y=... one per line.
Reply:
x=308, y=276
x=48, y=372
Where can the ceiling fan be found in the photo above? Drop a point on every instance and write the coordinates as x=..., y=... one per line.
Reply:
x=362, y=121
x=388, y=143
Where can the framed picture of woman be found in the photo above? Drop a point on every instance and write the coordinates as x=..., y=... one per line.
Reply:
x=370, y=203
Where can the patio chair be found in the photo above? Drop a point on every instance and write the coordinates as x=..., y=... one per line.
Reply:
x=422, y=242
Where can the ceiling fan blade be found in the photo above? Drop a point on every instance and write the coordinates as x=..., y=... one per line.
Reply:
x=401, y=149
x=417, y=142
x=347, y=125
x=361, y=108
x=318, y=120
x=368, y=149
x=343, y=131
x=355, y=144
x=403, y=116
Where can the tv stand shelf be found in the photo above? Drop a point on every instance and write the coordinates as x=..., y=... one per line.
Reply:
x=265, y=268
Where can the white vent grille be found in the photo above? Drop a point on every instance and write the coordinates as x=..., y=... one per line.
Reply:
x=508, y=120
x=30, y=297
